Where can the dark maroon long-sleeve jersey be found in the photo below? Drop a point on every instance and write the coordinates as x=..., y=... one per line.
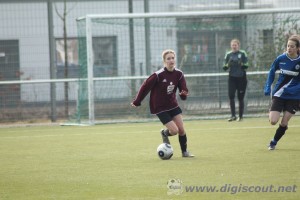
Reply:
x=163, y=85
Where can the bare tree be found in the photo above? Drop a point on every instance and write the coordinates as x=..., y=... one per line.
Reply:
x=63, y=17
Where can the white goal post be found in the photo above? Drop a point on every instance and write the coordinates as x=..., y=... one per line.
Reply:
x=89, y=26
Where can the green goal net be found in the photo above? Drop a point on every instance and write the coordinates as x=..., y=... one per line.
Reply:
x=117, y=52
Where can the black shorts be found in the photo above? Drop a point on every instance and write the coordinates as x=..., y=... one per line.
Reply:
x=282, y=105
x=167, y=116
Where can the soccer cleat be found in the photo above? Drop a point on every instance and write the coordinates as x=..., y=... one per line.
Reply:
x=272, y=145
x=187, y=154
x=239, y=119
x=164, y=137
x=233, y=118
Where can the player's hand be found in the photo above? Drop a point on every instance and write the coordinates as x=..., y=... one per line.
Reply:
x=245, y=66
x=183, y=94
x=267, y=92
x=225, y=68
x=132, y=104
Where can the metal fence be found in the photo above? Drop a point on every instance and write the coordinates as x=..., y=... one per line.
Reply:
x=32, y=49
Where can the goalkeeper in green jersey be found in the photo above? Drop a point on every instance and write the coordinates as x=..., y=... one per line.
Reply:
x=236, y=61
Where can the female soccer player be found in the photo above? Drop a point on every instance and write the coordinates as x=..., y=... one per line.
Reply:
x=236, y=61
x=286, y=92
x=162, y=86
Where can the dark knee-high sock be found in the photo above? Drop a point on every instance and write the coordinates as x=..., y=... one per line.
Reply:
x=183, y=142
x=241, y=108
x=279, y=133
x=232, y=107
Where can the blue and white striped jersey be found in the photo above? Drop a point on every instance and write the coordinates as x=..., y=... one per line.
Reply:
x=288, y=83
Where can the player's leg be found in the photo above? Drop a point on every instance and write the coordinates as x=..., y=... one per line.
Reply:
x=241, y=94
x=280, y=131
x=182, y=136
x=283, y=125
x=231, y=94
x=277, y=107
x=274, y=117
x=171, y=128
x=289, y=108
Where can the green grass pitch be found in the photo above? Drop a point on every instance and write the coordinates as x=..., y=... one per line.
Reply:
x=119, y=161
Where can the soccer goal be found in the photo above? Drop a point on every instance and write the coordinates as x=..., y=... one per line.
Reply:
x=118, y=51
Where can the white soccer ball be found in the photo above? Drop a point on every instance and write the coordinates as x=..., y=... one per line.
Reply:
x=165, y=151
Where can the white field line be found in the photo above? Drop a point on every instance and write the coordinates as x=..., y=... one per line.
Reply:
x=97, y=131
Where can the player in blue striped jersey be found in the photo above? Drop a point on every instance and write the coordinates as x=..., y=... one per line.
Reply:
x=286, y=92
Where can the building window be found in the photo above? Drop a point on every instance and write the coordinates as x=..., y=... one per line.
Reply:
x=105, y=58
x=268, y=37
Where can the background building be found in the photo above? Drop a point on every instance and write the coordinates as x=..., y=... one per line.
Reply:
x=32, y=48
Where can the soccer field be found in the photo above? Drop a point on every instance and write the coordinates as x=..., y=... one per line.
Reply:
x=119, y=161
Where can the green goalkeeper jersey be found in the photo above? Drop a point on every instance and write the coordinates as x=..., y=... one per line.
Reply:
x=236, y=62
